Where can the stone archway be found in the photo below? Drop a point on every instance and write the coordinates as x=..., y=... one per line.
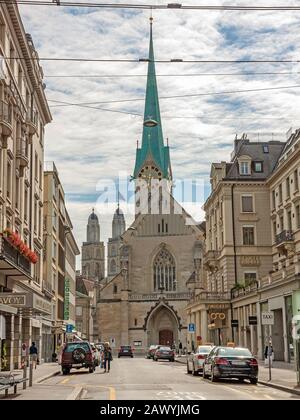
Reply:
x=162, y=326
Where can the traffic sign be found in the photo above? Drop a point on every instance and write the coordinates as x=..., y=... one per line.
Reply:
x=267, y=318
x=192, y=327
x=234, y=323
x=69, y=328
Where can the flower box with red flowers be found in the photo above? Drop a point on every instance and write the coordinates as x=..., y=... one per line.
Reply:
x=16, y=241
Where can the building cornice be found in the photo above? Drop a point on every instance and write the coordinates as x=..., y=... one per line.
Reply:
x=36, y=80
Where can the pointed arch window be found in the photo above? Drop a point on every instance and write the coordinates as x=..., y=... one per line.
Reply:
x=164, y=272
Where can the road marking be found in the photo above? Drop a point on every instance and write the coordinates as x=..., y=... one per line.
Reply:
x=240, y=392
x=65, y=381
x=268, y=397
x=112, y=390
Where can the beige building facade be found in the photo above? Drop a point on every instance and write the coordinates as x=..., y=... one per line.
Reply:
x=24, y=112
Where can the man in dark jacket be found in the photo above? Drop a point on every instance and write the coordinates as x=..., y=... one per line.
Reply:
x=107, y=353
x=33, y=352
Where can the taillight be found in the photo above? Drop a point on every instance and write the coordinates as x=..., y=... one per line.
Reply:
x=200, y=356
x=221, y=361
x=253, y=362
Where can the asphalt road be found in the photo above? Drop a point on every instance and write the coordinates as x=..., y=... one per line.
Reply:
x=142, y=379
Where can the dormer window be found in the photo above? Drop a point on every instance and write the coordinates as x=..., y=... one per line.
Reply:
x=258, y=167
x=244, y=168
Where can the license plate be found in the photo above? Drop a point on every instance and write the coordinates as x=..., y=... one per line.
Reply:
x=239, y=363
x=125, y=351
x=165, y=352
x=77, y=365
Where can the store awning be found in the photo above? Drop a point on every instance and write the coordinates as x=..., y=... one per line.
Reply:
x=8, y=309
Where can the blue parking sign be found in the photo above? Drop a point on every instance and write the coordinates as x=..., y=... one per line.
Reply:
x=69, y=328
x=192, y=327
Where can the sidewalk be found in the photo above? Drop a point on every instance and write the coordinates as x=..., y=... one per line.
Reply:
x=283, y=376
x=41, y=373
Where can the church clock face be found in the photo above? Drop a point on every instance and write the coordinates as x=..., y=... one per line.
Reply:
x=148, y=173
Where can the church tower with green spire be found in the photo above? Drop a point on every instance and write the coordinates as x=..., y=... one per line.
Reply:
x=153, y=157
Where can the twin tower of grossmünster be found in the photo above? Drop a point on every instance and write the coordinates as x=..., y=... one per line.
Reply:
x=151, y=265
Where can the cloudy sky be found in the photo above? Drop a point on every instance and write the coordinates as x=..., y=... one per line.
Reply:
x=91, y=145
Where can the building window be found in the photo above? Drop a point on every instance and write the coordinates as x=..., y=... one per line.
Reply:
x=248, y=235
x=244, y=168
x=288, y=189
x=280, y=193
x=274, y=231
x=36, y=166
x=247, y=204
x=54, y=250
x=266, y=148
x=135, y=322
x=41, y=176
x=281, y=225
x=17, y=192
x=296, y=180
x=289, y=220
x=298, y=216
x=273, y=199
x=258, y=167
x=35, y=216
x=9, y=179
x=164, y=272
x=115, y=289
x=26, y=204
x=113, y=266
x=249, y=278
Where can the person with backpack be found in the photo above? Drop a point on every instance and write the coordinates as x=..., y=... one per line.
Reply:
x=107, y=355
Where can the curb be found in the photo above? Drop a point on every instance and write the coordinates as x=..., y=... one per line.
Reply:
x=44, y=378
x=181, y=362
x=280, y=387
x=75, y=394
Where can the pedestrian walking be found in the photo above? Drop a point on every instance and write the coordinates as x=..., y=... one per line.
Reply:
x=269, y=352
x=23, y=355
x=107, y=352
x=180, y=348
x=33, y=353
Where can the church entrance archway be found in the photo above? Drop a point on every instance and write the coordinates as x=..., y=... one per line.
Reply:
x=162, y=327
x=166, y=338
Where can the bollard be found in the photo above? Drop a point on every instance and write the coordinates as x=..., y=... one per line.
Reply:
x=24, y=375
x=30, y=373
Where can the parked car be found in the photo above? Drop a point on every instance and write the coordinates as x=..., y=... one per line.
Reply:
x=152, y=349
x=77, y=355
x=194, y=363
x=164, y=353
x=125, y=351
x=227, y=362
x=97, y=354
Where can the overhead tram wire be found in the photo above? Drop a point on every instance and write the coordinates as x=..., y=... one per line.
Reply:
x=111, y=76
x=178, y=96
x=173, y=6
x=145, y=60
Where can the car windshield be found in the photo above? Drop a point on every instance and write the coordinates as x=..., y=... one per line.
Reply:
x=204, y=350
x=164, y=348
x=234, y=352
x=125, y=347
x=72, y=346
x=152, y=347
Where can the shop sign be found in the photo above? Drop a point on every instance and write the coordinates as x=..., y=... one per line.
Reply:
x=41, y=305
x=234, y=323
x=252, y=320
x=13, y=299
x=267, y=318
x=67, y=299
x=218, y=306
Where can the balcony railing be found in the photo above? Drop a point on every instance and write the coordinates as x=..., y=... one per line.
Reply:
x=32, y=120
x=284, y=236
x=5, y=112
x=8, y=252
x=22, y=151
x=211, y=297
x=243, y=291
x=156, y=296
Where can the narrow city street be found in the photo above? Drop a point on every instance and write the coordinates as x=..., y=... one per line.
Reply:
x=142, y=379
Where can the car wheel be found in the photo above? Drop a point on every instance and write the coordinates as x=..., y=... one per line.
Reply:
x=241, y=380
x=188, y=369
x=65, y=371
x=119, y=357
x=213, y=378
x=194, y=372
x=204, y=374
x=253, y=381
x=91, y=370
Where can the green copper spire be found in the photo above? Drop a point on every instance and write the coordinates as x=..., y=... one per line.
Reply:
x=152, y=148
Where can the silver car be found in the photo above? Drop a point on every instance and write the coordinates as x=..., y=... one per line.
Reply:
x=195, y=361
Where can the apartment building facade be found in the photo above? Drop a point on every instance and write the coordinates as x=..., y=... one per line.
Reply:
x=238, y=243
x=24, y=112
x=60, y=256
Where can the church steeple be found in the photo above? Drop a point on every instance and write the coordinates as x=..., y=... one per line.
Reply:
x=153, y=148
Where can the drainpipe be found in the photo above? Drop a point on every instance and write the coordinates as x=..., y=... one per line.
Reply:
x=234, y=251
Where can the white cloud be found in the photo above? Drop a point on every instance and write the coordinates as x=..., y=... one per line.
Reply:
x=88, y=145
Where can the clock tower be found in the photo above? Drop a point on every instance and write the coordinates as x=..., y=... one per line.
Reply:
x=152, y=171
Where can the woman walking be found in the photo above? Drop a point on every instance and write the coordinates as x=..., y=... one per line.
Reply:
x=107, y=357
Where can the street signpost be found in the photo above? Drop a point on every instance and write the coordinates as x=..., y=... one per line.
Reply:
x=192, y=328
x=296, y=331
x=267, y=318
x=69, y=328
